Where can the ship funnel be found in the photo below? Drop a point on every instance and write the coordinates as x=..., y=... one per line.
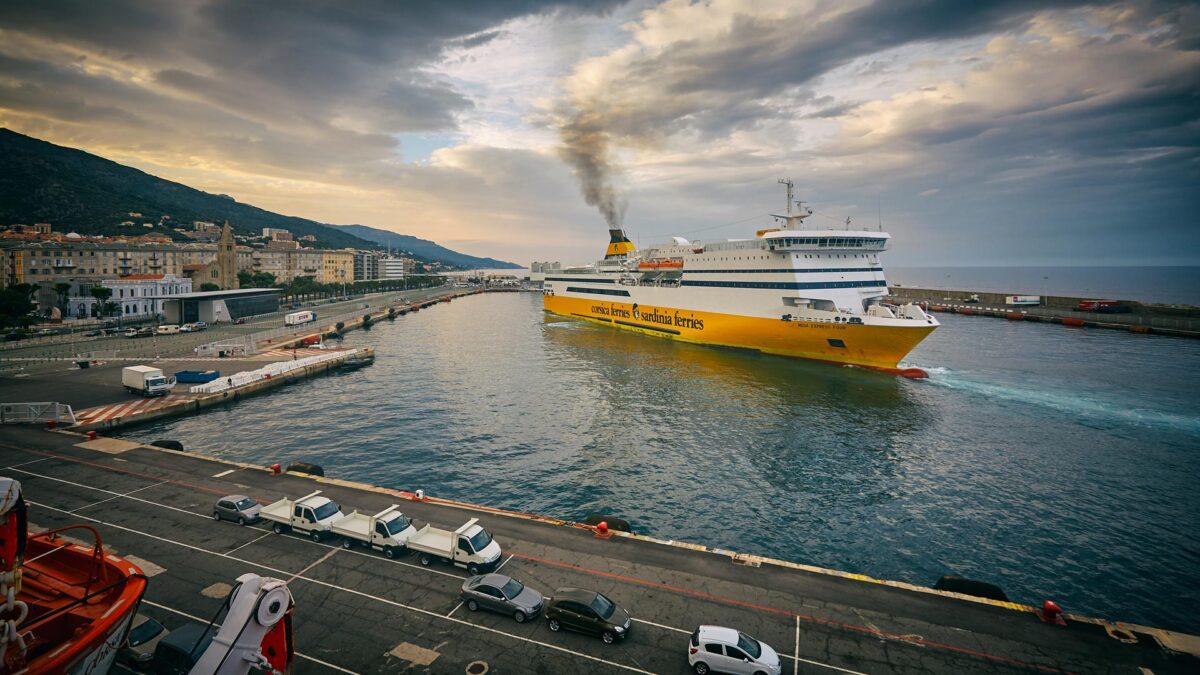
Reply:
x=619, y=245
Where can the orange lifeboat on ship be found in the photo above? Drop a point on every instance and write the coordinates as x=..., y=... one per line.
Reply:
x=73, y=604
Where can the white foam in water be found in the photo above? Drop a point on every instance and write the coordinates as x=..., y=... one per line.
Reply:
x=1065, y=401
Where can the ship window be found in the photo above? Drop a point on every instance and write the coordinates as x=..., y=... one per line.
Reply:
x=835, y=342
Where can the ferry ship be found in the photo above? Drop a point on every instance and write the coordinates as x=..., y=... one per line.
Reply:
x=809, y=293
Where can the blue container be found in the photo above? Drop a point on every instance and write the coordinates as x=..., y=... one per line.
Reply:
x=197, y=376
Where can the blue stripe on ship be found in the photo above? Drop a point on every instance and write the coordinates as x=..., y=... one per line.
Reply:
x=788, y=285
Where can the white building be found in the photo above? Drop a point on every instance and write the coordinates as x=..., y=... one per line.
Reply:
x=134, y=294
x=395, y=268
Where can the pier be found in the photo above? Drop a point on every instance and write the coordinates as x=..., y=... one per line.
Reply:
x=1144, y=318
x=358, y=611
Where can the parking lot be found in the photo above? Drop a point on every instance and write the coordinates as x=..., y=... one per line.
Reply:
x=357, y=611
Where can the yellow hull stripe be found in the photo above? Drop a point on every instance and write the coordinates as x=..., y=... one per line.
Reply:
x=870, y=346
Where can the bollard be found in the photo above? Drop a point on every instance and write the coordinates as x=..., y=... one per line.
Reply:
x=1051, y=613
x=276, y=469
x=602, y=531
x=50, y=424
x=420, y=495
x=91, y=435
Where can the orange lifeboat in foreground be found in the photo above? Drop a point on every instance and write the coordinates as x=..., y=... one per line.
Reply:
x=74, y=603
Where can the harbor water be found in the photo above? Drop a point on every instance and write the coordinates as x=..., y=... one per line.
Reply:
x=1055, y=462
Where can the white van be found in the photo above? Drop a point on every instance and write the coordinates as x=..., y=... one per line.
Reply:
x=168, y=329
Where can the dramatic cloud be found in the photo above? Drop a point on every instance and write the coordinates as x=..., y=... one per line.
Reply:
x=991, y=132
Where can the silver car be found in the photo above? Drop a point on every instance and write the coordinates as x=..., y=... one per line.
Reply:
x=502, y=594
x=238, y=508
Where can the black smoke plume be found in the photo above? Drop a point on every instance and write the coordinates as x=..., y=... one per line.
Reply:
x=585, y=148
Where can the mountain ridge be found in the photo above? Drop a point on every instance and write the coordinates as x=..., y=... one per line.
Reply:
x=75, y=190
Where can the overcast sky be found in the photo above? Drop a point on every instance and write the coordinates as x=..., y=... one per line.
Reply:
x=1019, y=132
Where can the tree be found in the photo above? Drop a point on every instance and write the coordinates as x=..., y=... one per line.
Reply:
x=102, y=294
x=262, y=280
x=209, y=286
x=62, y=289
x=245, y=278
x=14, y=304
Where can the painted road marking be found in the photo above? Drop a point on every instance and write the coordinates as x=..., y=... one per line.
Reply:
x=316, y=562
x=205, y=622
x=351, y=591
x=269, y=533
x=87, y=506
x=35, y=461
x=126, y=408
x=224, y=473
x=905, y=639
x=206, y=517
x=796, y=658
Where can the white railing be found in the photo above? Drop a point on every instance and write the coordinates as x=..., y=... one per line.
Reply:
x=15, y=413
x=275, y=369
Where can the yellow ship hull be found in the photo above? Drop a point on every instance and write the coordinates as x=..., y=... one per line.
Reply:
x=870, y=346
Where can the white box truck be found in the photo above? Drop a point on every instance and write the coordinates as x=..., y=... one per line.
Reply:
x=387, y=531
x=469, y=546
x=312, y=514
x=146, y=380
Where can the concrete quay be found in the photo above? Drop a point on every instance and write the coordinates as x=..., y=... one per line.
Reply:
x=1144, y=318
x=357, y=611
x=101, y=403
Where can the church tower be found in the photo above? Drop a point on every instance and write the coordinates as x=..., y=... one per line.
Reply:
x=226, y=267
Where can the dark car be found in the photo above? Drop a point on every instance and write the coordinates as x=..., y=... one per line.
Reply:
x=238, y=322
x=139, y=647
x=10, y=337
x=179, y=651
x=502, y=594
x=587, y=612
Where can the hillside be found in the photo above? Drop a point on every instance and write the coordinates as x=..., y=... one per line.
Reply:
x=424, y=248
x=76, y=191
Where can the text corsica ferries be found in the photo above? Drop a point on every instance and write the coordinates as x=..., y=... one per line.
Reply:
x=790, y=291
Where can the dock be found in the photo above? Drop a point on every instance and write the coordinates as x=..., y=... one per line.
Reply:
x=1143, y=318
x=358, y=611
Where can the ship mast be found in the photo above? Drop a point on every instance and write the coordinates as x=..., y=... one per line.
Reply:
x=792, y=220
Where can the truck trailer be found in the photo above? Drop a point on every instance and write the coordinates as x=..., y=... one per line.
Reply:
x=297, y=318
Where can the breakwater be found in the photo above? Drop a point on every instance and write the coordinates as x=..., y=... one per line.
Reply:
x=1177, y=320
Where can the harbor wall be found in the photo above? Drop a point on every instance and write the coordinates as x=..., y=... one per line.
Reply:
x=1146, y=318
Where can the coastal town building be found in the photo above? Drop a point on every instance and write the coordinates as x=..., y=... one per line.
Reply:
x=396, y=268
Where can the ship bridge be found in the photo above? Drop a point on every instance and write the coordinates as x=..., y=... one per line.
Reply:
x=857, y=241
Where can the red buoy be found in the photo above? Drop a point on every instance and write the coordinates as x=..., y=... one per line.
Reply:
x=602, y=530
x=1052, y=614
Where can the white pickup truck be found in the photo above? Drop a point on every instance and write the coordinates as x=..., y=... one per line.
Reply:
x=388, y=530
x=312, y=514
x=469, y=546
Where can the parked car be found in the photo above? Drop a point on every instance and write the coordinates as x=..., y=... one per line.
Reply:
x=238, y=322
x=199, y=325
x=93, y=333
x=186, y=328
x=168, y=329
x=587, y=612
x=179, y=651
x=131, y=333
x=14, y=336
x=148, y=331
x=47, y=331
x=725, y=650
x=138, y=650
x=502, y=594
x=237, y=508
